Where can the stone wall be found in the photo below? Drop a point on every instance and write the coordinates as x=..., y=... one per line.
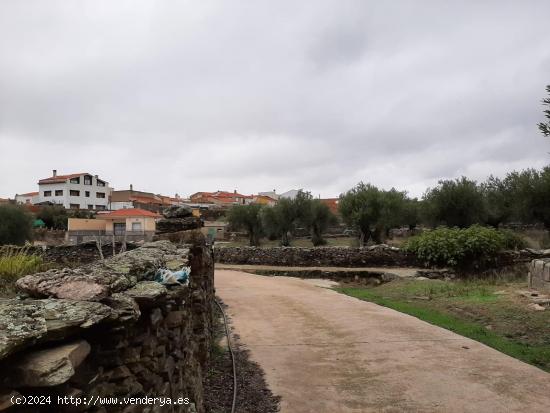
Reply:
x=539, y=274
x=375, y=256
x=107, y=329
x=73, y=255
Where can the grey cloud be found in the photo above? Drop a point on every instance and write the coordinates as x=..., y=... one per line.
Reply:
x=255, y=95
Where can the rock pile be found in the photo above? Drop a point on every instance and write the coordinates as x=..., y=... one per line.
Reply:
x=177, y=218
x=108, y=330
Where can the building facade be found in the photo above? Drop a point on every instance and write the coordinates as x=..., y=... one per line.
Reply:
x=75, y=191
x=123, y=225
x=30, y=198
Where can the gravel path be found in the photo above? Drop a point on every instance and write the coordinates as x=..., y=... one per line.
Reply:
x=326, y=352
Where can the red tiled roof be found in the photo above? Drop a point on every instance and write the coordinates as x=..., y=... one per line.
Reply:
x=29, y=194
x=60, y=178
x=130, y=212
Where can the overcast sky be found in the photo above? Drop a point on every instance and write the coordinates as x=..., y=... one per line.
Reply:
x=186, y=96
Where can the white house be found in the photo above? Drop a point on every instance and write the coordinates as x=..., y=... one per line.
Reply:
x=75, y=191
x=30, y=198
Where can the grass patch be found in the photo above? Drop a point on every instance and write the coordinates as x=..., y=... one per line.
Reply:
x=471, y=309
x=14, y=264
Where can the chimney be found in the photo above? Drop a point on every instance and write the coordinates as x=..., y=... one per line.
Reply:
x=131, y=187
x=234, y=191
x=54, y=173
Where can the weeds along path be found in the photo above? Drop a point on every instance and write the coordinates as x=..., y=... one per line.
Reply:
x=327, y=352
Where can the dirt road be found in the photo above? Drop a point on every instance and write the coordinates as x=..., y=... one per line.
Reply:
x=326, y=352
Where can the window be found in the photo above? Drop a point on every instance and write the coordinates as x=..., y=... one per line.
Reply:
x=100, y=183
x=87, y=194
x=87, y=180
x=58, y=192
x=75, y=180
x=72, y=192
x=47, y=193
x=100, y=207
x=74, y=206
x=100, y=194
x=136, y=226
x=90, y=206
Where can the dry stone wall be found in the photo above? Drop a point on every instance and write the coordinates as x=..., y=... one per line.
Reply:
x=375, y=256
x=107, y=330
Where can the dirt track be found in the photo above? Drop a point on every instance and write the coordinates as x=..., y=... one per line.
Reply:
x=326, y=352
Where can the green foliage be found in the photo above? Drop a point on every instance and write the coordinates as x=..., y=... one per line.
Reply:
x=372, y=211
x=538, y=355
x=511, y=240
x=281, y=220
x=460, y=247
x=455, y=203
x=545, y=126
x=54, y=216
x=247, y=217
x=15, y=225
x=14, y=264
x=319, y=219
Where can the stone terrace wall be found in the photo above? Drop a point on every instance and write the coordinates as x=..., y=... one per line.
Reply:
x=108, y=330
x=374, y=256
x=539, y=274
x=84, y=253
x=378, y=255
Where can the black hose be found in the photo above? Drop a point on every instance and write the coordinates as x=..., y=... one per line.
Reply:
x=232, y=357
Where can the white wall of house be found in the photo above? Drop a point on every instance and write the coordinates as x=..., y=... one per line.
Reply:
x=26, y=199
x=76, y=195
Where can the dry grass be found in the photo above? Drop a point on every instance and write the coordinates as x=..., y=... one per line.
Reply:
x=14, y=264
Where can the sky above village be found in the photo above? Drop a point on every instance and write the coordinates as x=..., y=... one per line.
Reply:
x=186, y=96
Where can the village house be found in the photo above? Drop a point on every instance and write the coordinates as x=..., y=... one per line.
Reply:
x=131, y=224
x=30, y=198
x=264, y=200
x=221, y=198
x=75, y=191
x=131, y=198
x=332, y=204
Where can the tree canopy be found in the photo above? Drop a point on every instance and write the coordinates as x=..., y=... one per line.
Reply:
x=545, y=126
x=15, y=225
x=247, y=217
x=455, y=203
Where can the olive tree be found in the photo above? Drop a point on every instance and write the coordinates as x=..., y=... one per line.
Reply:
x=455, y=203
x=248, y=218
x=372, y=211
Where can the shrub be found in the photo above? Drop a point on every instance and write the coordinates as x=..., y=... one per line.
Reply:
x=15, y=225
x=472, y=247
x=14, y=264
x=512, y=240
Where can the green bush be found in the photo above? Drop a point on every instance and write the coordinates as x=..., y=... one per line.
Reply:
x=15, y=225
x=512, y=240
x=472, y=247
